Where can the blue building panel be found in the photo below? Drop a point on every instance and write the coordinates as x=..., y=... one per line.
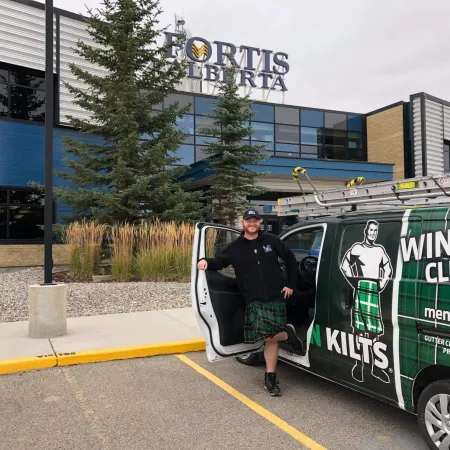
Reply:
x=22, y=154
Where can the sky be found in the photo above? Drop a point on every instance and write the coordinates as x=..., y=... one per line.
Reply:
x=348, y=55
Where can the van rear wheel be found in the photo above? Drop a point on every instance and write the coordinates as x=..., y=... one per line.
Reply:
x=433, y=415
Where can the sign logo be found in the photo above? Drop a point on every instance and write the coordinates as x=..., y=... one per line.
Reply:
x=200, y=51
x=257, y=68
x=367, y=268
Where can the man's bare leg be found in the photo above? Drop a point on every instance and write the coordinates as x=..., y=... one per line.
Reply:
x=271, y=350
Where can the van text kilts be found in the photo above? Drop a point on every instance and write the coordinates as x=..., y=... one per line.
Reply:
x=264, y=320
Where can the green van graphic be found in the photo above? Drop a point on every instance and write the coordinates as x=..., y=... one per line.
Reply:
x=367, y=267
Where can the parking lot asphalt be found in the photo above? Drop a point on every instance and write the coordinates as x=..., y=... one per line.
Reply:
x=165, y=403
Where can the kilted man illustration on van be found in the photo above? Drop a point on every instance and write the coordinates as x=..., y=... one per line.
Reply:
x=367, y=267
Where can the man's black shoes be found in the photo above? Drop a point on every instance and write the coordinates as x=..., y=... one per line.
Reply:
x=271, y=384
x=294, y=341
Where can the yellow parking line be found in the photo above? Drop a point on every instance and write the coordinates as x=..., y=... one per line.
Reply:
x=280, y=423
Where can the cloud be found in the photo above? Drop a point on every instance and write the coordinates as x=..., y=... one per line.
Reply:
x=351, y=55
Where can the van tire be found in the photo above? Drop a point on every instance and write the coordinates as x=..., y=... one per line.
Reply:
x=252, y=360
x=433, y=389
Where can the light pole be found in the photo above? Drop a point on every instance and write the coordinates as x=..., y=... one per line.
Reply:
x=48, y=200
x=48, y=301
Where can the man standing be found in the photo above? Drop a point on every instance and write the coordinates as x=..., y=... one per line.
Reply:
x=367, y=267
x=254, y=257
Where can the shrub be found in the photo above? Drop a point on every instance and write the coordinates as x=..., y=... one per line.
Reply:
x=84, y=240
x=164, y=251
x=123, y=237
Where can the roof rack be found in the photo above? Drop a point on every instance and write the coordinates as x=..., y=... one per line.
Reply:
x=410, y=192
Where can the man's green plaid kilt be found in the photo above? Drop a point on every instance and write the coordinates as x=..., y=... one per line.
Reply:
x=264, y=320
x=366, y=308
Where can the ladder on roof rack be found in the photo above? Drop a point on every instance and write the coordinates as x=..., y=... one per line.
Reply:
x=430, y=190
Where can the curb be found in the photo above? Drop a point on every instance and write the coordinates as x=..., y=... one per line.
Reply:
x=25, y=364
x=102, y=355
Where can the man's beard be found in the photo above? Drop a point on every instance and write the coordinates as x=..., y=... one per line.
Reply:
x=254, y=230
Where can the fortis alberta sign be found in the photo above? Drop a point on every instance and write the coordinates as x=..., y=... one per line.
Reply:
x=258, y=68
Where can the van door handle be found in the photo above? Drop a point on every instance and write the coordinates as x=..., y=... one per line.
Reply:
x=350, y=298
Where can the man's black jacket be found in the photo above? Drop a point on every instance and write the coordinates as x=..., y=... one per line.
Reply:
x=255, y=262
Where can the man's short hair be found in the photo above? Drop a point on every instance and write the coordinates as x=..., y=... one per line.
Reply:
x=370, y=222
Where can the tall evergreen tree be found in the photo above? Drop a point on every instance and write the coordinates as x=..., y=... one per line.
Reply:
x=127, y=176
x=233, y=182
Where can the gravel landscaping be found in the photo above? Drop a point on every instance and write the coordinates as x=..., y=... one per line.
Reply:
x=88, y=299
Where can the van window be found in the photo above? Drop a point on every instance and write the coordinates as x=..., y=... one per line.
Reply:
x=305, y=242
x=215, y=243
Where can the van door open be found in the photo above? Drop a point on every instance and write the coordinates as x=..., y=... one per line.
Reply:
x=307, y=309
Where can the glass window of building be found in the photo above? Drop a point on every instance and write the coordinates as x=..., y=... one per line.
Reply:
x=447, y=156
x=182, y=99
x=286, y=155
x=21, y=215
x=287, y=150
x=186, y=124
x=26, y=79
x=4, y=100
x=340, y=153
x=354, y=123
x=3, y=76
x=311, y=118
x=25, y=197
x=202, y=124
x=262, y=132
x=263, y=113
x=200, y=154
x=203, y=140
x=288, y=116
x=3, y=222
x=335, y=138
x=310, y=151
x=337, y=121
x=268, y=145
x=311, y=136
x=354, y=140
x=286, y=134
x=204, y=106
x=357, y=155
x=24, y=222
x=22, y=94
x=185, y=155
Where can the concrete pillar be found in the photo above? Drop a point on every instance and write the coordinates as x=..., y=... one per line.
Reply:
x=47, y=311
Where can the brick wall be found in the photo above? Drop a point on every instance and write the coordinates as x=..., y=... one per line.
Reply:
x=385, y=139
x=31, y=255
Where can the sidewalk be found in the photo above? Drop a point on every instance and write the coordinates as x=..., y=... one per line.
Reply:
x=101, y=338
